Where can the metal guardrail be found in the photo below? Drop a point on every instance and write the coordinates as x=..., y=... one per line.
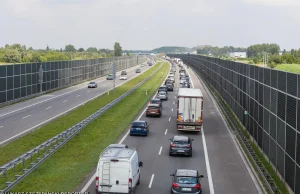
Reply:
x=40, y=153
x=270, y=183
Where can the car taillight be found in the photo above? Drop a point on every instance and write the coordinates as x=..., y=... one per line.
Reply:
x=175, y=185
x=198, y=127
x=97, y=182
x=180, y=126
x=188, y=146
x=198, y=186
x=172, y=145
x=129, y=183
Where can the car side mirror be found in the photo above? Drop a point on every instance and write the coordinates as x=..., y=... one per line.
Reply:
x=172, y=174
x=170, y=139
x=201, y=176
x=140, y=164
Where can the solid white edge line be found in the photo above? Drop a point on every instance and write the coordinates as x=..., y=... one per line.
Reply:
x=256, y=181
x=210, y=182
x=3, y=142
x=151, y=180
x=86, y=186
x=165, y=131
x=160, y=150
x=60, y=94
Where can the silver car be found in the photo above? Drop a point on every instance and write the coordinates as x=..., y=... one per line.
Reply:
x=162, y=95
x=92, y=85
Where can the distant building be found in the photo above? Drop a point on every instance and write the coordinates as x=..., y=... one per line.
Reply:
x=238, y=54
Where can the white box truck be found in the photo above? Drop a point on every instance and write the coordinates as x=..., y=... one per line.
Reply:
x=118, y=170
x=189, y=109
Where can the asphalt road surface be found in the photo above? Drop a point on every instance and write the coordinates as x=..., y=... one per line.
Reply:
x=20, y=118
x=214, y=152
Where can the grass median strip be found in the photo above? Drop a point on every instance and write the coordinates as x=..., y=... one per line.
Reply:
x=16, y=148
x=66, y=168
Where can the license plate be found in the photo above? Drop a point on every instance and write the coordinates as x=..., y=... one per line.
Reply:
x=138, y=129
x=186, y=189
x=152, y=112
x=189, y=127
x=180, y=150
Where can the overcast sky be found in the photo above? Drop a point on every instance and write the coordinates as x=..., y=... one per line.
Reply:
x=148, y=24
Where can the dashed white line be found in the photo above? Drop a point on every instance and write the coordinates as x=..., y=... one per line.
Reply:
x=89, y=91
x=174, y=96
x=77, y=95
x=172, y=109
x=151, y=180
x=174, y=102
x=64, y=101
x=160, y=150
x=48, y=107
x=169, y=118
x=1, y=127
x=26, y=116
x=166, y=131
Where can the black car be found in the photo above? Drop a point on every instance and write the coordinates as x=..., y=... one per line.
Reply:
x=123, y=73
x=170, y=87
x=138, y=71
x=186, y=181
x=181, y=145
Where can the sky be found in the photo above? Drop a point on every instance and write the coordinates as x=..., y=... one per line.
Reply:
x=149, y=24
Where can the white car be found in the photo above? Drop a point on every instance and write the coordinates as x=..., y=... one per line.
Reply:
x=142, y=65
x=182, y=80
x=123, y=77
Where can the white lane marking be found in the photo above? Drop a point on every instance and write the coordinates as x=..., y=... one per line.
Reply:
x=88, y=91
x=174, y=102
x=77, y=95
x=210, y=182
x=62, y=94
x=174, y=96
x=166, y=131
x=48, y=107
x=1, y=127
x=26, y=116
x=64, y=101
x=120, y=142
x=172, y=109
x=3, y=142
x=160, y=150
x=169, y=118
x=151, y=180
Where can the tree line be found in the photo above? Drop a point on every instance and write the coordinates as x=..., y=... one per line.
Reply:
x=17, y=53
x=256, y=53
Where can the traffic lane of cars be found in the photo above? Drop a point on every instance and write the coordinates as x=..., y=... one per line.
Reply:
x=229, y=172
x=30, y=102
x=34, y=116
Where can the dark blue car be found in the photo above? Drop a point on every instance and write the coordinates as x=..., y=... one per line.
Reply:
x=139, y=128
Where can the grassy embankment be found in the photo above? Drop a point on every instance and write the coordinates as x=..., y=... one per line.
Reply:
x=69, y=165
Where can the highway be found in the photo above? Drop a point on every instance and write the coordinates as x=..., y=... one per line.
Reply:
x=214, y=152
x=20, y=118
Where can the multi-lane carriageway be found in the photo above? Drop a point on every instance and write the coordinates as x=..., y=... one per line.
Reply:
x=17, y=119
x=215, y=154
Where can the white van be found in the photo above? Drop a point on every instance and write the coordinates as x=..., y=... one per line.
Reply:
x=118, y=170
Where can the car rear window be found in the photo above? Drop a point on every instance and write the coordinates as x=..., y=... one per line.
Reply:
x=186, y=180
x=155, y=101
x=153, y=107
x=138, y=124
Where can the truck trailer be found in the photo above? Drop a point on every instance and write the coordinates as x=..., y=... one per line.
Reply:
x=189, y=109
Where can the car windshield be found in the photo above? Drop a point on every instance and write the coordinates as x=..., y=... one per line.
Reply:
x=92, y=82
x=162, y=92
x=181, y=142
x=137, y=124
x=153, y=107
x=186, y=180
